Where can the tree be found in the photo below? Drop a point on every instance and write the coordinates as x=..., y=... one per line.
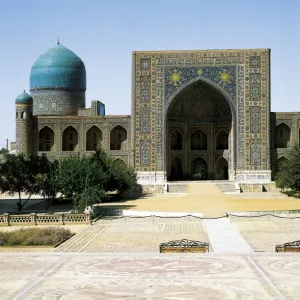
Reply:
x=18, y=174
x=81, y=180
x=289, y=171
x=86, y=180
x=47, y=179
x=3, y=151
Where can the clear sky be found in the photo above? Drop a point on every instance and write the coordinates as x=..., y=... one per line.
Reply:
x=104, y=33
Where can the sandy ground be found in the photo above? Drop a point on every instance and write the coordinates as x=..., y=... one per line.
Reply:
x=208, y=199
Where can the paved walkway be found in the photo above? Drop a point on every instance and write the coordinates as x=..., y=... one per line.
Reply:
x=224, y=237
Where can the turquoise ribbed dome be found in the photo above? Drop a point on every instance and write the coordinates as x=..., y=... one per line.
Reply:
x=24, y=98
x=58, y=68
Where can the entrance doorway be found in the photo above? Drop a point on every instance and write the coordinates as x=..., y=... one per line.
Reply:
x=199, y=130
x=222, y=169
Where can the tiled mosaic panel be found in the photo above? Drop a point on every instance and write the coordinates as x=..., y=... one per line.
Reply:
x=54, y=102
x=145, y=89
x=145, y=153
x=145, y=121
x=224, y=77
x=255, y=61
x=255, y=152
x=255, y=119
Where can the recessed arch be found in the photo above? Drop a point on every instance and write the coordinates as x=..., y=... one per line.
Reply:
x=46, y=139
x=198, y=140
x=93, y=139
x=224, y=111
x=222, y=140
x=118, y=138
x=222, y=169
x=199, y=169
x=176, y=173
x=176, y=140
x=282, y=136
x=70, y=139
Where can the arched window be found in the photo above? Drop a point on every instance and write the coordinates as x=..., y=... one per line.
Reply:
x=93, y=139
x=118, y=138
x=70, y=139
x=222, y=140
x=46, y=139
x=199, y=140
x=176, y=140
x=282, y=136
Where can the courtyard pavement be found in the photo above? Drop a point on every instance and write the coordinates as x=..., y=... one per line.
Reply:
x=149, y=276
x=118, y=257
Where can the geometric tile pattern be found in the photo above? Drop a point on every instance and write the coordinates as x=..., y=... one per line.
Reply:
x=255, y=120
x=242, y=75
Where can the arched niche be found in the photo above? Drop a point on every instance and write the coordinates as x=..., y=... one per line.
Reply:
x=198, y=140
x=222, y=140
x=176, y=140
x=282, y=136
x=222, y=169
x=199, y=169
x=70, y=139
x=93, y=139
x=118, y=138
x=176, y=169
x=46, y=139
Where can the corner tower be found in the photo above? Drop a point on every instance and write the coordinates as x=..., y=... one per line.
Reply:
x=24, y=123
x=58, y=82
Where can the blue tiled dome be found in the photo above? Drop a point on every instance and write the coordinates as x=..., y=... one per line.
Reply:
x=58, y=68
x=24, y=98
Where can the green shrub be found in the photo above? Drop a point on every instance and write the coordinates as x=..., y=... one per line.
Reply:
x=48, y=236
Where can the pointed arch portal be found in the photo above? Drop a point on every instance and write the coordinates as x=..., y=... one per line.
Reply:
x=202, y=118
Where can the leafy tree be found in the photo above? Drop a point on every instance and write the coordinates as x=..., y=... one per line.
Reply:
x=86, y=180
x=289, y=171
x=3, y=151
x=48, y=180
x=81, y=180
x=18, y=175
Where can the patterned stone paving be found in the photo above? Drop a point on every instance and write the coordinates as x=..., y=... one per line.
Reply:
x=149, y=276
x=264, y=233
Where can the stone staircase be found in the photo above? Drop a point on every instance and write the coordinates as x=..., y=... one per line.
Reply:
x=228, y=187
x=178, y=187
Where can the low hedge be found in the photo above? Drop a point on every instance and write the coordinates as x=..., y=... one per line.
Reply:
x=47, y=236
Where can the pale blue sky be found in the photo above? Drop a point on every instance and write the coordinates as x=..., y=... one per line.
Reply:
x=104, y=34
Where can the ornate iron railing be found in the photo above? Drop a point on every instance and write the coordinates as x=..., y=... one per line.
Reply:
x=288, y=247
x=184, y=246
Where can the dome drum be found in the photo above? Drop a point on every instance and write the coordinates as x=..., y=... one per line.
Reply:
x=57, y=103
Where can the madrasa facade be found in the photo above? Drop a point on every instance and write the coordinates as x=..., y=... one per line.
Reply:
x=195, y=115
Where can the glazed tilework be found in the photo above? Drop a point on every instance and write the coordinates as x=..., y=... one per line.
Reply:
x=242, y=77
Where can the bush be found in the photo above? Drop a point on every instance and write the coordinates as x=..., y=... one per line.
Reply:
x=48, y=236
